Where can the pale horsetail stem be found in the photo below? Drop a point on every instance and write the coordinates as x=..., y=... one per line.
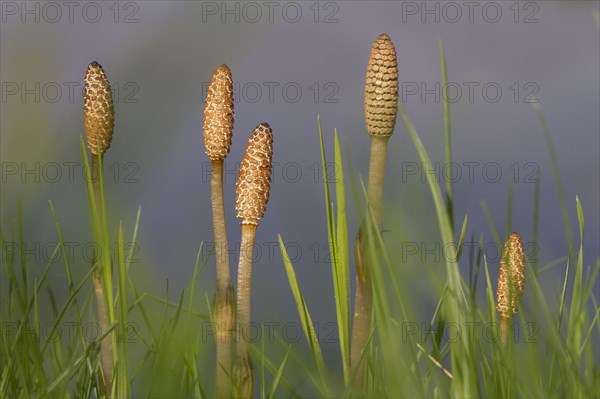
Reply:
x=98, y=120
x=218, y=131
x=511, y=282
x=381, y=105
x=252, y=195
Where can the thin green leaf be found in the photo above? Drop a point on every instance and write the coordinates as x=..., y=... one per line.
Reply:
x=279, y=374
x=447, y=136
x=556, y=172
x=341, y=265
x=305, y=319
x=461, y=240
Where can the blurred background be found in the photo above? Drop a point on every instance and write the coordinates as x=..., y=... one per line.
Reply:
x=293, y=62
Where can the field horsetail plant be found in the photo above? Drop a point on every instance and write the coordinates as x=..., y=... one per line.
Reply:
x=511, y=282
x=99, y=119
x=218, y=131
x=253, y=187
x=381, y=106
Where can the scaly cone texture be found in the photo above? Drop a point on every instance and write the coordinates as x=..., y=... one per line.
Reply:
x=254, y=180
x=381, y=88
x=98, y=111
x=218, y=114
x=512, y=271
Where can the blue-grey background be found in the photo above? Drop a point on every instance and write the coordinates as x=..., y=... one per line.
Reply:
x=159, y=55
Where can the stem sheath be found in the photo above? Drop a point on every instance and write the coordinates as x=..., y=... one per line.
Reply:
x=363, y=304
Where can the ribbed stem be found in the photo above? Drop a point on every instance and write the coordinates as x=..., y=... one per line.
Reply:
x=224, y=309
x=244, y=372
x=244, y=284
x=504, y=329
x=376, y=173
x=363, y=298
x=106, y=349
x=220, y=230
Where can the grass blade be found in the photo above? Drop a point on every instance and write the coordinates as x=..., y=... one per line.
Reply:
x=536, y=218
x=447, y=136
x=490, y=219
x=341, y=265
x=461, y=240
x=122, y=376
x=556, y=172
x=305, y=319
x=576, y=314
x=338, y=242
x=278, y=374
x=509, y=206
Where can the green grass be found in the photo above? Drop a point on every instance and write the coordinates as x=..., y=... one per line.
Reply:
x=419, y=307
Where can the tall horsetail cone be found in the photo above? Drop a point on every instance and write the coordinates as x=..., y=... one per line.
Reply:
x=253, y=186
x=218, y=131
x=381, y=105
x=511, y=282
x=381, y=88
x=218, y=114
x=98, y=110
x=254, y=180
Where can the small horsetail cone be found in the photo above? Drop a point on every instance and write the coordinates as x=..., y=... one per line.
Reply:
x=381, y=88
x=218, y=114
x=511, y=282
x=98, y=111
x=254, y=180
x=98, y=121
x=253, y=186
